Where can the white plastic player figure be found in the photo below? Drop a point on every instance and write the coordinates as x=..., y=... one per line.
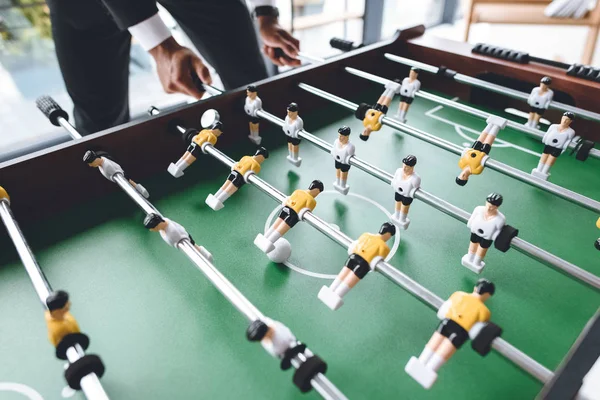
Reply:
x=293, y=124
x=341, y=151
x=485, y=224
x=252, y=105
x=275, y=337
x=472, y=161
x=405, y=183
x=108, y=168
x=392, y=88
x=172, y=233
x=238, y=177
x=539, y=100
x=410, y=86
x=463, y=315
x=555, y=140
x=364, y=254
x=294, y=208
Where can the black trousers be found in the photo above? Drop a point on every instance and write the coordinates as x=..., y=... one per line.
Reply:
x=93, y=53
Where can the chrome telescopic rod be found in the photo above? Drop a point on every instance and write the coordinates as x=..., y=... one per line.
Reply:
x=492, y=87
x=507, y=170
x=536, y=133
x=568, y=269
x=90, y=384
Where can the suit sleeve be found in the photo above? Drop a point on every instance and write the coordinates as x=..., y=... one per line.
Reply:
x=127, y=13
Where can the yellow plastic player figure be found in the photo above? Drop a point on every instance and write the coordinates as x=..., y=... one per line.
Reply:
x=462, y=314
x=195, y=148
x=237, y=178
x=371, y=122
x=597, y=242
x=4, y=195
x=293, y=211
x=364, y=253
x=59, y=320
x=472, y=161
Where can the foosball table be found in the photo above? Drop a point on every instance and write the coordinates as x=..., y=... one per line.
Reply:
x=286, y=195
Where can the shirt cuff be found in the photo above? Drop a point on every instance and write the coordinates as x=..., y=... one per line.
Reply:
x=151, y=32
x=258, y=3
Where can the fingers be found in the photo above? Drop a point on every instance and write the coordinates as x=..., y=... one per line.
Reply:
x=184, y=76
x=270, y=52
x=279, y=58
x=202, y=71
x=295, y=43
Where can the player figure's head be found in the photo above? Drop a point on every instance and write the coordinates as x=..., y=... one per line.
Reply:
x=292, y=110
x=344, y=134
x=4, y=194
x=257, y=331
x=315, y=188
x=414, y=73
x=387, y=230
x=408, y=164
x=154, y=222
x=58, y=304
x=545, y=83
x=261, y=154
x=484, y=288
x=217, y=128
x=493, y=201
x=567, y=118
x=251, y=91
x=92, y=159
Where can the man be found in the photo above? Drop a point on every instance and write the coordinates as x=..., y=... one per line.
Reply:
x=539, y=100
x=252, y=104
x=172, y=233
x=405, y=183
x=341, y=151
x=237, y=178
x=472, y=161
x=108, y=168
x=485, y=224
x=463, y=314
x=410, y=86
x=364, y=253
x=555, y=140
x=93, y=40
x=275, y=337
x=292, y=125
x=195, y=148
x=294, y=208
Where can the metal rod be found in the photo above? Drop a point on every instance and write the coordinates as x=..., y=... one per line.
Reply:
x=536, y=133
x=227, y=289
x=69, y=128
x=556, y=190
x=140, y=200
x=213, y=91
x=492, y=87
x=90, y=384
x=463, y=216
x=36, y=275
x=522, y=360
x=309, y=58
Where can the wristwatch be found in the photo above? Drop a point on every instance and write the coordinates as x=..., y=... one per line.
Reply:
x=266, y=11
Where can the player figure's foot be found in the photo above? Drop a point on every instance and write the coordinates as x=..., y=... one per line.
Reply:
x=142, y=190
x=295, y=161
x=539, y=174
x=175, y=171
x=213, y=202
x=401, y=223
x=342, y=189
x=205, y=253
x=256, y=139
x=420, y=373
x=263, y=243
x=469, y=261
x=330, y=298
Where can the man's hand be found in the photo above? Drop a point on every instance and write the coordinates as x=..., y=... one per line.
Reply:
x=273, y=37
x=177, y=66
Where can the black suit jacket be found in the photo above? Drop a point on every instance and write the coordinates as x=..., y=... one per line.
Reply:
x=130, y=12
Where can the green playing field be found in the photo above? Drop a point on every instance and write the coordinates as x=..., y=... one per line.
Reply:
x=164, y=332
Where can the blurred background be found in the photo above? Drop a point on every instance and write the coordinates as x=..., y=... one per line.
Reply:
x=28, y=66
